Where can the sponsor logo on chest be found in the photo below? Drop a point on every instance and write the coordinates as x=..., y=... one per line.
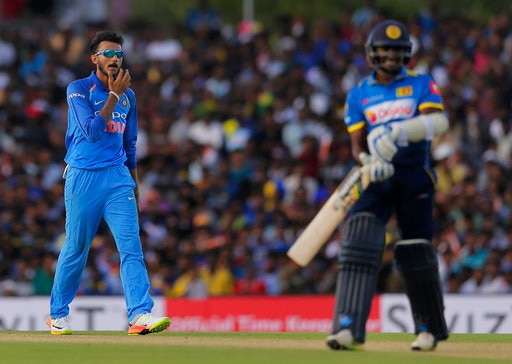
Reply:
x=390, y=110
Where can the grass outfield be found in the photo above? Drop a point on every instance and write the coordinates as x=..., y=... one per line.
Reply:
x=246, y=348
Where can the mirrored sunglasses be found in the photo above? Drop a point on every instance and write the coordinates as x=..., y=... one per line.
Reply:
x=110, y=53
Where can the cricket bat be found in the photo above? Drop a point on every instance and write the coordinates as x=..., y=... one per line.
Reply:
x=332, y=213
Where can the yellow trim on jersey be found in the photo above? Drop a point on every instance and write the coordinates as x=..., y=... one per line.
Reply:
x=428, y=105
x=356, y=126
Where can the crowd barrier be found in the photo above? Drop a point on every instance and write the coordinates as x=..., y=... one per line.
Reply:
x=389, y=313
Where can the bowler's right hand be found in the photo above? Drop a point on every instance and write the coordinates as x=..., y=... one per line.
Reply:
x=120, y=83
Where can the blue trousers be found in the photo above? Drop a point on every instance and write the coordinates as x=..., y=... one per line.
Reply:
x=89, y=196
x=409, y=194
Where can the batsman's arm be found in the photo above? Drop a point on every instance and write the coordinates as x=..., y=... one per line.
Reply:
x=423, y=127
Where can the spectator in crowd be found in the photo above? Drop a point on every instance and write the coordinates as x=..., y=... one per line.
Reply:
x=494, y=281
x=203, y=16
x=42, y=281
x=474, y=284
x=217, y=274
x=189, y=284
x=250, y=284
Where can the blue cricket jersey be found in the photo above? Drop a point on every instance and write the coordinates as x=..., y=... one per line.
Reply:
x=90, y=142
x=371, y=104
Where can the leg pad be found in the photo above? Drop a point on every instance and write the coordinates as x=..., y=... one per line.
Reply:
x=361, y=249
x=417, y=263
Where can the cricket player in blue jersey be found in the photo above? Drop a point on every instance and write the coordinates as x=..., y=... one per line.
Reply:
x=392, y=116
x=101, y=183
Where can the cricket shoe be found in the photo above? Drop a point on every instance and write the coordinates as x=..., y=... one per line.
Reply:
x=425, y=341
x=59, y=326
x=342, y=340
x=145, y=323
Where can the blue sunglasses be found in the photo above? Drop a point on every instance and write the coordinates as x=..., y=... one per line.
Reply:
x=110, y=53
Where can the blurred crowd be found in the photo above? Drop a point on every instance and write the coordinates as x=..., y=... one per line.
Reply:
x=241, y=142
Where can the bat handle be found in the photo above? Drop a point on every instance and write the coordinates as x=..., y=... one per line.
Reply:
x=346, y=185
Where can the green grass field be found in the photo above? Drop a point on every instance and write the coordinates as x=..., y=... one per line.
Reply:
x=276, y=348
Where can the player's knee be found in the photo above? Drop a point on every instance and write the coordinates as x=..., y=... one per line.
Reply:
x=417, y=257
x=363, y=240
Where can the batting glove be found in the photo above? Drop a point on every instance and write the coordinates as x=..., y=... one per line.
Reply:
x=381, y=143
x=377, y=169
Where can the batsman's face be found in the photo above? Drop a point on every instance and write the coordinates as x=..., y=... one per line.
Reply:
x=391, y=58
x=106, y=62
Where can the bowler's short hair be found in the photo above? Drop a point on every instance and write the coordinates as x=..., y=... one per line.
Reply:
x=105, y=35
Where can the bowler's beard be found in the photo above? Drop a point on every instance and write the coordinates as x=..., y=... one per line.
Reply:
x=104, y=71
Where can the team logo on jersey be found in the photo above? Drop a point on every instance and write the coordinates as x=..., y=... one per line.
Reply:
x=393, y=32
x=124, y=102
x=390, y=110
x=404, y=91
x=434, y=89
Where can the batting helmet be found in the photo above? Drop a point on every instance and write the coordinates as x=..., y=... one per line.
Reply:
x=388, y=34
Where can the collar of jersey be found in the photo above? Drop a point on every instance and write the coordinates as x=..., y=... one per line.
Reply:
x=402, y=74
x=97, y=81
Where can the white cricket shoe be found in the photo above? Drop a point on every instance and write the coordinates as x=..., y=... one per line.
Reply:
x=425, y=341
x=59, y=326
x=145, y=323
x=342, y=340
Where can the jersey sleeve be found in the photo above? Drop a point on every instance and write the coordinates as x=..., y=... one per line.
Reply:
x=81, y=113
x=353, y=113
x=431, y=95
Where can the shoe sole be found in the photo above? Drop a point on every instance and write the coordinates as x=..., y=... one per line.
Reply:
x=418, y=348
x=63, y=332
x=335, y=345
x=144, y=330
x=424, y=348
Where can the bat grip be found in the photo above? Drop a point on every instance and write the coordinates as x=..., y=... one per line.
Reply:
x=346, y=185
